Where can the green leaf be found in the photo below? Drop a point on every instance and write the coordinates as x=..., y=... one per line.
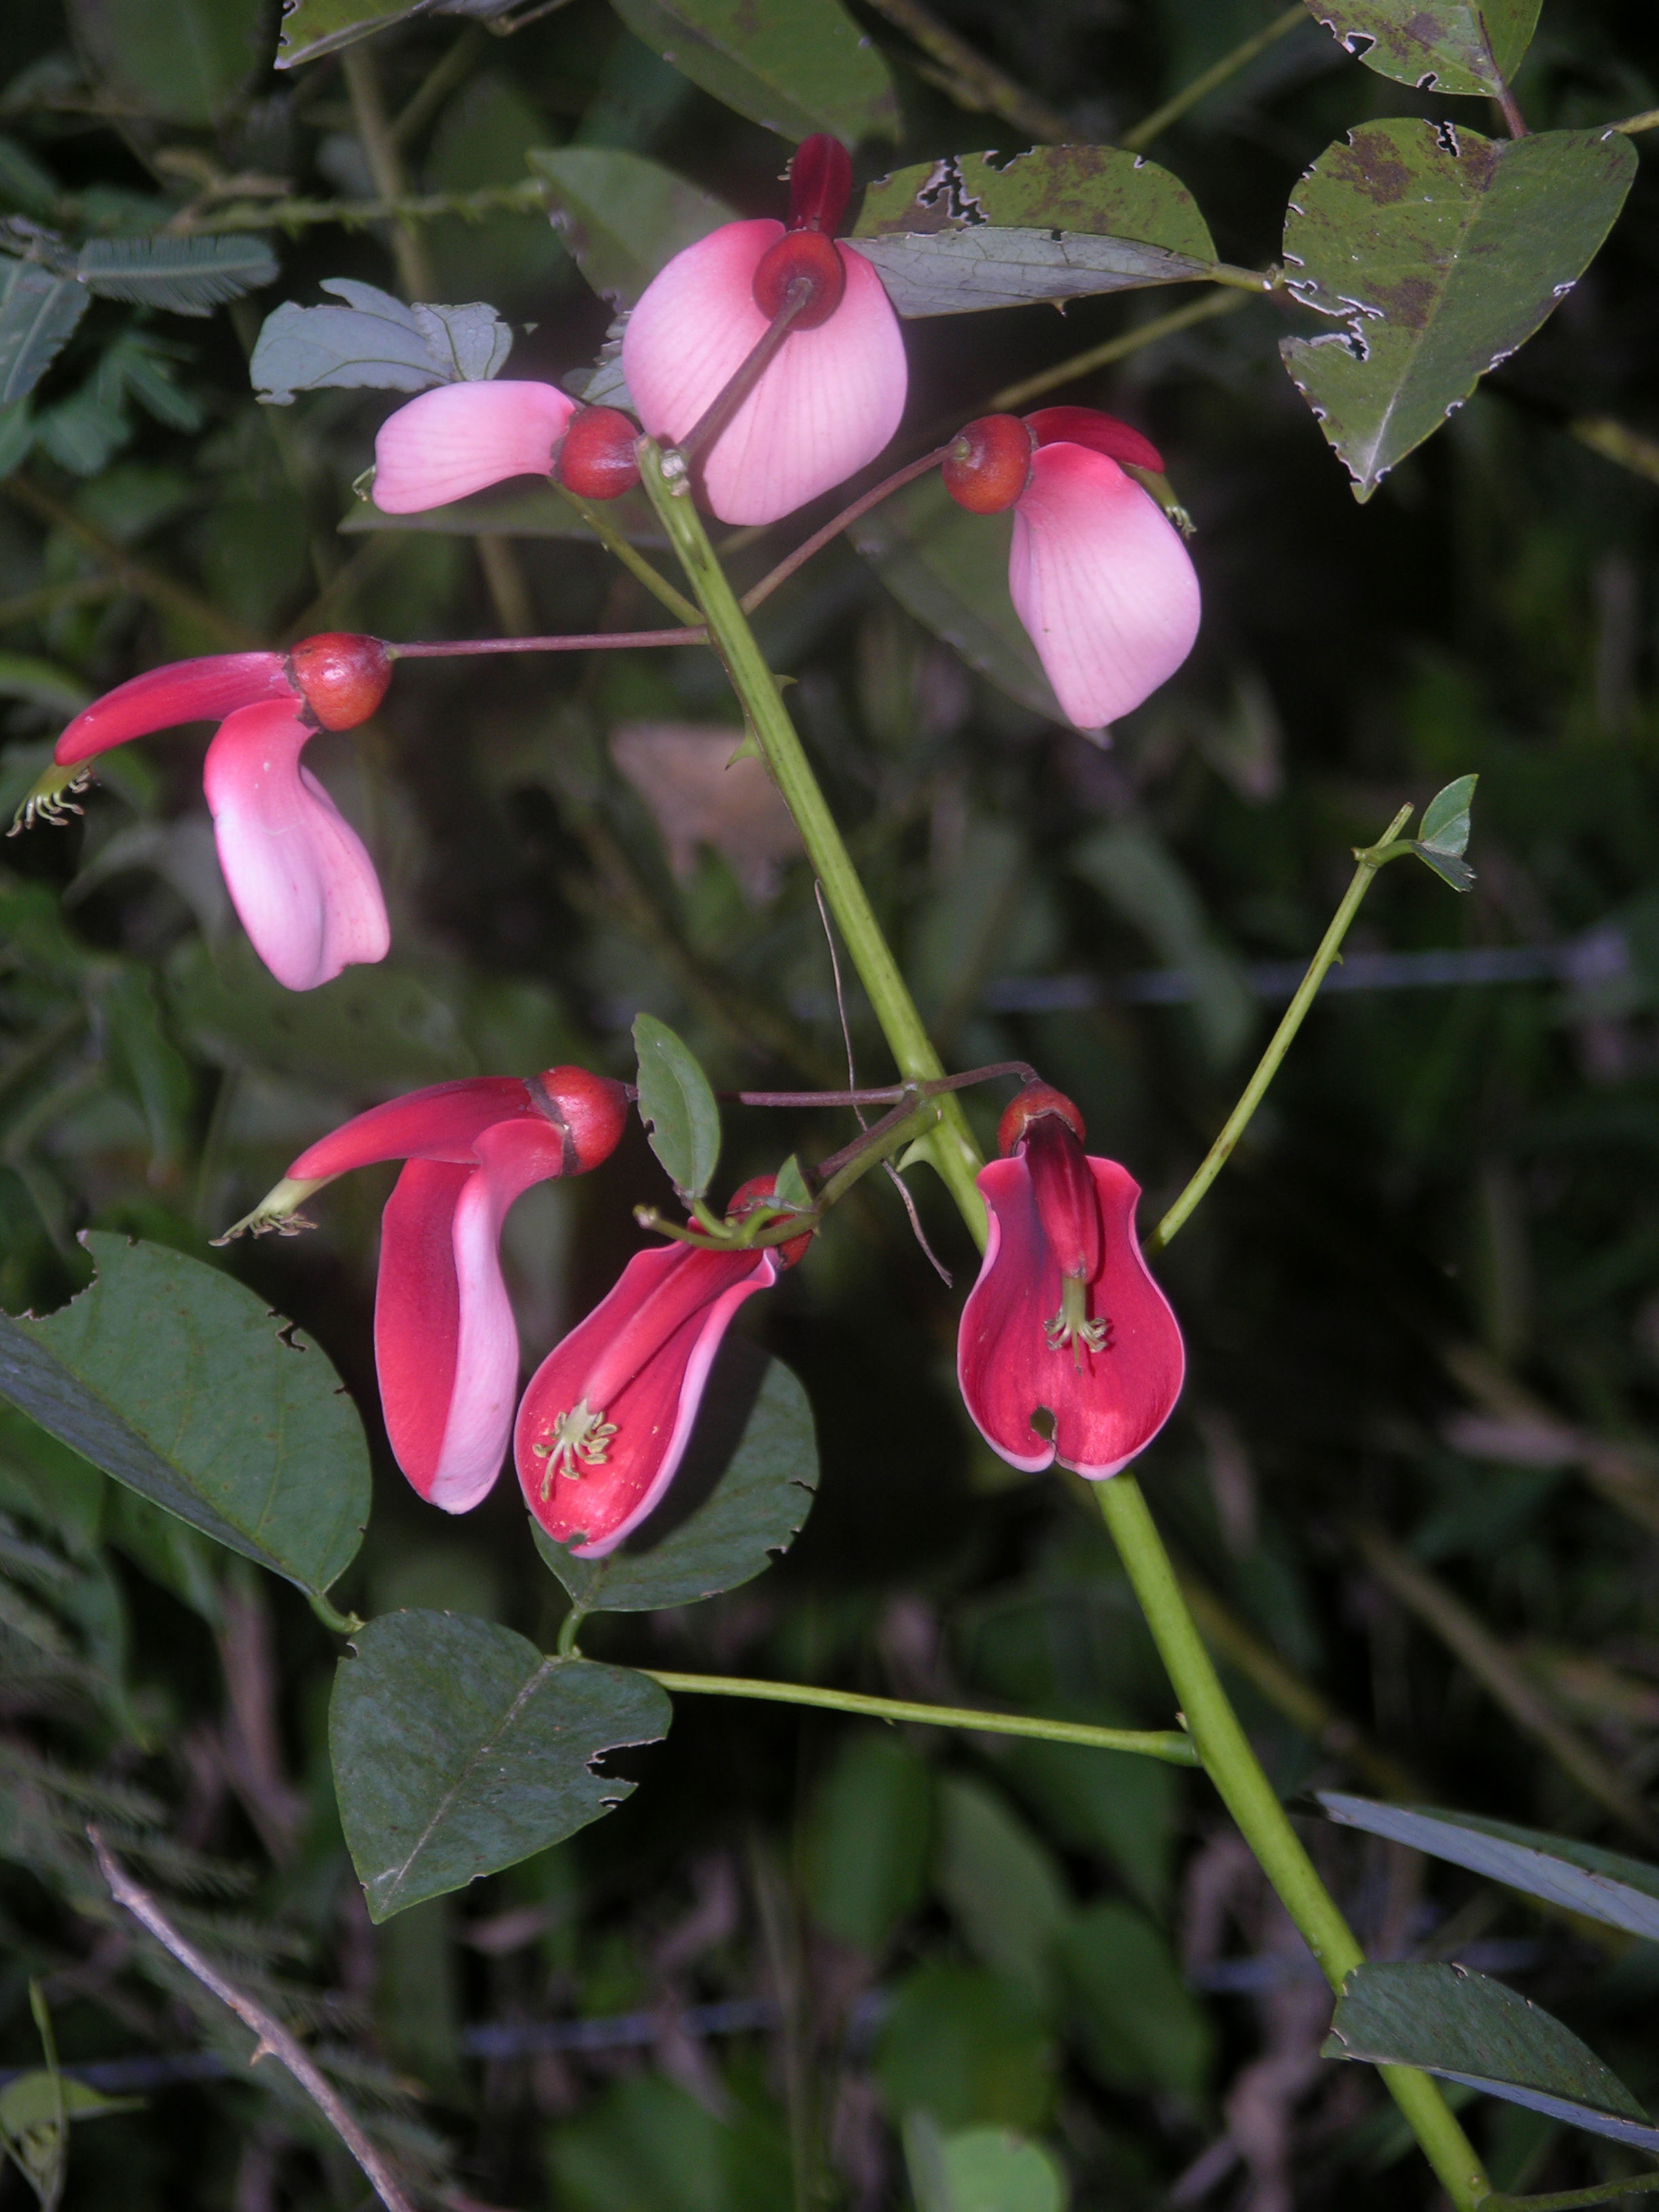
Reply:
x=678, y=1108
x=311, y=28
x=1058, y=223
x=955, y=2043
x=459, y=1749
x=188, y=275
x=1440, y=252
x=177, y=61
x=1445, y=824
x=180, y=1383
x=789, y=1186
x=1438, y=45
x=1142, y=2027
x=42, y=682
x=1130, y=865
x=793, y=66
x=980, y=2170
x=950, y=569
x=1465, y=2028
x=374, y=342
x=755, y=1436
x=37, y=312
x=31, y=2127
x=1584, y=1878
x=1446, y=865
x=1003, y=1887
x=622, y=216
x=868, y=1840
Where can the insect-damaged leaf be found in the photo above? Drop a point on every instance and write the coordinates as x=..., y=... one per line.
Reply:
x=794, y=66
x=459, y=1749
x=622, y=216
x=678, y=1107
x=39, y=310
x=1440, y=252
x=180, y=1383
x=1439, y=46
x=762, y=1442
x=1057, y=223
x=375, y=341
x=1466, y=2028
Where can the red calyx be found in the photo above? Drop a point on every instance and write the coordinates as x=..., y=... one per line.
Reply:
x=341, y=678
x=590, y=1110
x=989, y=464
x=595, y=458
x=1101, y=434
x=820, y=184
x=1026, y=1106
x=748, y=1196
x=800, y=254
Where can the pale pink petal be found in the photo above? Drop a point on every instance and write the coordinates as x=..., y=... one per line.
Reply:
x=1101, y=582
x=824, y=408
x=296, y=871
x=463, y=438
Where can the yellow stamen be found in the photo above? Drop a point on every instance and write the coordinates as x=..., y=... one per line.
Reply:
x=1073, y=1326
x=578, y=1439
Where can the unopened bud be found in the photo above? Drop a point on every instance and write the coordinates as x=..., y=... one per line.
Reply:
x=590, y=1109
x=820, y=183
x=596, y=458
x=989, y=464
x=341, y=678
x=800, y=256
x=1025, y=1107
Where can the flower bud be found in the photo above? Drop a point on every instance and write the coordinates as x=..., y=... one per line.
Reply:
x=596, y=458
x=1101, y=433
x=750, y=1194
x=1025, y=1107
x=989, y=464
x=820, y=182
x=590, y=1109
x=341, y=678
x=799, y=254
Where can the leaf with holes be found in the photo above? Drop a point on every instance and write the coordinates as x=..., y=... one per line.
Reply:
x=182, y=1384
x=1438, y=45
x=459, y=1749
x=39, y=312
x=1466, y=2028
x=794, y=66
x=678, y=1107
x=753, y=1460
x=1441, y=252
x=188, y=275
x=622, y=216
x=1058, y=223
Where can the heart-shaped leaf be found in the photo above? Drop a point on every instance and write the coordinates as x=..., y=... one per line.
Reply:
x=793, y=66
x=459, y=1749
x=678, y=1107
x=183, y=1385
x=1438, y=45
x=1440, y=252
x=622, y=216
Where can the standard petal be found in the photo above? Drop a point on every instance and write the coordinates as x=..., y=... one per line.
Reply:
x=417, y=1314
x=1113, y=1405
x=1101, y=582
x=203, y=690
x=442, y=1123
x=827, y=405
x=296, y=871
x=1003, y=1361
x=462, y=438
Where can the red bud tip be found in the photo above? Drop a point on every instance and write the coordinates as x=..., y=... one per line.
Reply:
x=590, y=1109
x=800, y=253
x=1101, y=434
x=341, y=678
x=820, y=184
x=744, y=1200
x=595, y=458
x=1036, y=1099
x=989, y=464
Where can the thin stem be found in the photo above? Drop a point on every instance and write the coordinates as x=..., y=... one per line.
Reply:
x=1239, y=1120
x=974, y=82
x=632, y=559
x=1201, y=310
x=1514, y=122
x=1227, y=1758
x=132, y=576
x=586, y=641
x=785, y=569
x=1166, y=1744
x=951, y=1147
x=1240, y=58
x=274, y=2041
x=1569, y=2200
x=386, y=166
x=527, y=198
x=1615, y=441
x=889, y=1094
x=1647, y=120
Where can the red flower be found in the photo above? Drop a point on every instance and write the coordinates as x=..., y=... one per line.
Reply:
x=445, y=1345
x=609, y=1412
x=1065, y=1315
x=296, y=871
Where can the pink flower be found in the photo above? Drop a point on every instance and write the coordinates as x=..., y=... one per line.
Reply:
x=462, y=438
x=609, y=1412
x=1099, y=574
x=445, y=1345
x=1065, y=1315
x=297, y=872
x=833, y=395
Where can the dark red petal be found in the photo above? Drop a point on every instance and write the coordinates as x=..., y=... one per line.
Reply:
x=205, y=691
x=1064, y=1190
x=820, y=184
x=1101, y=433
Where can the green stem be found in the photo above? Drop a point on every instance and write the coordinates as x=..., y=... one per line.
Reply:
x=1567, y=2200
x=1189, y=94
x=950, y=1147
x=1228, y=1759
x=1167, y=1744
x=631, y=558
x=1369, y=860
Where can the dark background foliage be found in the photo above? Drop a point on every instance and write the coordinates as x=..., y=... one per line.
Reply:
x=1422, y=1305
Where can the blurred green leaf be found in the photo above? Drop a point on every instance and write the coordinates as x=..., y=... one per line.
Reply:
x=1466, y=2028
x=188, y=275
x=794, y=66
x=1105, y=1803
x=1440, y=252
x=539, y=512
x=179, y=1382
x=622, y=217
x=1446, y=865
x=762, y=1438
x=39, y=312
x=1132, y=867
x=376, y=342
x=313, y=27
x=678, y=1107
x=646, y=2145
x=980, y=2170
x=1444, y=46
x=459, y=1749
x=1445, y=824
x=1143, y=2029
x=1059, y=223
x=42, y=684
x=177, y=61
x=1007, y=1894
x=867, y=1839
x=957, y=2043
x=789, y=1186
x=160, y=1078
x=31, y=2127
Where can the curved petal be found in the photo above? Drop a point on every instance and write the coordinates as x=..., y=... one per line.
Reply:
x=1120, y=1398
x=1101, y=582
x=639, y=1361
x=296, y=871
x=417, y=1314
x=826, y=405
x=205, y=691
x=1003, y=1360
x=442, y=1123
x=462, y=438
